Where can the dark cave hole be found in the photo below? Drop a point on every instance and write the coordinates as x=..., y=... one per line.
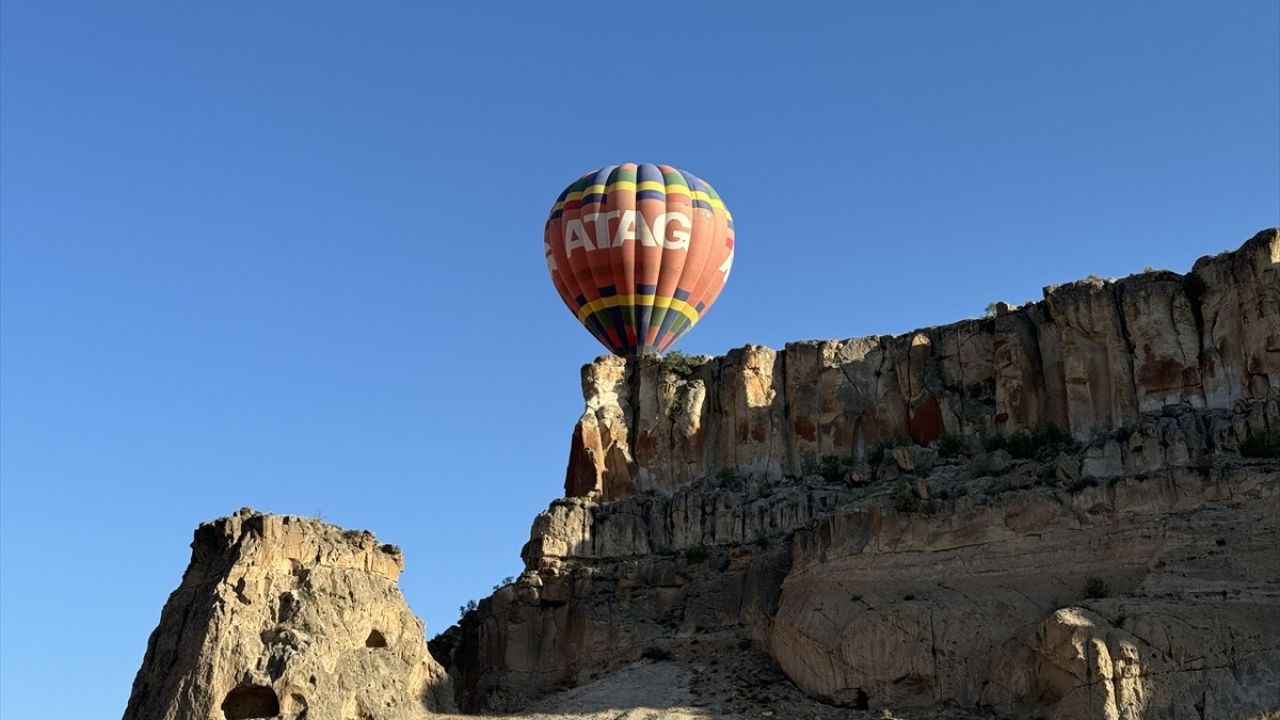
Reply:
x=251, y=702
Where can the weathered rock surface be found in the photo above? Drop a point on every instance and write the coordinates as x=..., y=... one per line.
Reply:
x=1057, y=512
x=280, y=616
x=1068, y=511
x=1093, y=356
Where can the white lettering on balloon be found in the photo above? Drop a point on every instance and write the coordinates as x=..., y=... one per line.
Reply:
x=672, y=231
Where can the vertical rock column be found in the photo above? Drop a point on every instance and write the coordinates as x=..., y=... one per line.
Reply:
x=280, y=616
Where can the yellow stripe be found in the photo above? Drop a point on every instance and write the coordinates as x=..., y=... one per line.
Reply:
x=679, y=306
x=646, y=185
x=715, y=202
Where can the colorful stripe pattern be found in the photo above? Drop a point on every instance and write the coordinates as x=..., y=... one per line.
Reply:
x=639, y=253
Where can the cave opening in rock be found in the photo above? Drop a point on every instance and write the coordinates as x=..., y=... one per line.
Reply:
x=251, y=702
x=375, y=640
x=861, y=700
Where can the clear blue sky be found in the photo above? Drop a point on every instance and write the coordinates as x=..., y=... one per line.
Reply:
x=288, y=255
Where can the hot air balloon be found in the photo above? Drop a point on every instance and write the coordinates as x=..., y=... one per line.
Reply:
x=638, y=253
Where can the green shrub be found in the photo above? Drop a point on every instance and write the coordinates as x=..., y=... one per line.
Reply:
x=1096, y=588
x=904, y=498
x=679, y=364
x=831, y=468
x=1024, y=445
x=1266, y=445
x=949, y=445
x=876, y=451
x=469, y=607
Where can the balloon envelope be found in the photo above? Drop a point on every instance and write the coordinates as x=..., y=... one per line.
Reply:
x=638, y=253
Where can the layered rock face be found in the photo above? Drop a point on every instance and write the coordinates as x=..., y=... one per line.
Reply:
x=280, y=616
x=1069, y=510
x=1092, y=356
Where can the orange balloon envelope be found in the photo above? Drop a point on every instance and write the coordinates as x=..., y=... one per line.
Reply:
x=639, y=253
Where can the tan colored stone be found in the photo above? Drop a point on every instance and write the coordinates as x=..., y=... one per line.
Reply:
x=1093, y=356
x=280, y=616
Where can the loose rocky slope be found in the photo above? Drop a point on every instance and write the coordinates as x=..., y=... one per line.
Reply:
x=1054, y=512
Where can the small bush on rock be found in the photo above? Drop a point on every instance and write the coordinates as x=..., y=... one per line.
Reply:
x=949, y=445
x=1024, y=445
x=679, y=364
x=904, y=498
x=831, y=468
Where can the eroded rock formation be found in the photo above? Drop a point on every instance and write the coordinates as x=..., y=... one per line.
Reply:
x=1092, y=356
x=1069, y=510
x=1060, y=511
x=281, y=616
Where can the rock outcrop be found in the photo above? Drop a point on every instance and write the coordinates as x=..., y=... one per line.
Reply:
x=1093, y=356
x=1068, y=510
x=281, y=616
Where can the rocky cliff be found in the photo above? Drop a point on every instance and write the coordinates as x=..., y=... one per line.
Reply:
x=1067, y=510
x=1070, y=510
x=281, y=616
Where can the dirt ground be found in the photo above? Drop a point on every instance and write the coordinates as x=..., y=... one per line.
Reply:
x=707, y=690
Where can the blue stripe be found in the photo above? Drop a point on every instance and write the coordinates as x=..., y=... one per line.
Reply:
x=665, y=327
x=602, y=175
x=609, y=291
x=702, y=204
x=581, y=300
x=682, y=294
x=648, y=172
x=651, y=195
x=593, y=198
x=642, y=326
x=557, y=213
x=701, y=307
x=646, y=289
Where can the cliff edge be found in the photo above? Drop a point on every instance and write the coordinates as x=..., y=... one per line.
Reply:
x=1068, y=510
